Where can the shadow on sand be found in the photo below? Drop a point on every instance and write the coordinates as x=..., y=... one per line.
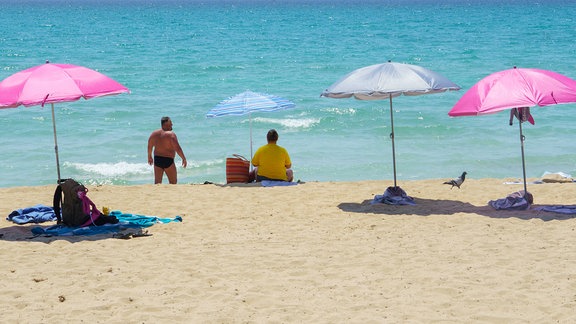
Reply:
x=24, y=233
x=427, y=207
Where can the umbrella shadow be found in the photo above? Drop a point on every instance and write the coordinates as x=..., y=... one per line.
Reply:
x=23, y=233
x=532, y=213
x=423, y=207
x=428, y=207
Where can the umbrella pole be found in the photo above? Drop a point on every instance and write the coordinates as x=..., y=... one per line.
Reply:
x=55, y=143
x=392, y=138
x=250, y=114
x=523, y=163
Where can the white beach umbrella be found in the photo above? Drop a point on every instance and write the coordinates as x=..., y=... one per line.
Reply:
x=386, y=81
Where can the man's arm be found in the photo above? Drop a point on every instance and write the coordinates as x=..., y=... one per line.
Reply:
x=256, y=158
x=179, y=151
x=150, y=146
x=288, y=161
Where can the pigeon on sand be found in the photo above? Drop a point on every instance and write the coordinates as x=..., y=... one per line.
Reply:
x=458, y=181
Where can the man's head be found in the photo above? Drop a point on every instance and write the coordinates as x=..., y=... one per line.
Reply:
x=166, y=123
x=272, y=136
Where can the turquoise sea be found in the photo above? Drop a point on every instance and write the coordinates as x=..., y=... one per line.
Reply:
x=180, y=58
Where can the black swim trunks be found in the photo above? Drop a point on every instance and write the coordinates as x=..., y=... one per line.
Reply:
x=163, y=162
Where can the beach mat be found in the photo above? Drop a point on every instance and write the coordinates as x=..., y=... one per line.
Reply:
x=125, y=221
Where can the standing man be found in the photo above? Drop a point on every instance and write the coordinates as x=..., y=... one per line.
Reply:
x=272, y=161
x=165, y=144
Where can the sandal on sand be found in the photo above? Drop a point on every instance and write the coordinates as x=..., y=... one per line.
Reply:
x=123, y=236
x=141, y=234
x=129, y=235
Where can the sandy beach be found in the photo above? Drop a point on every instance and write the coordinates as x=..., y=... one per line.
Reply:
x=318, y=252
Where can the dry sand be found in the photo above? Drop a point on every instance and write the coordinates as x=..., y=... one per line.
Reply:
x=318, y=252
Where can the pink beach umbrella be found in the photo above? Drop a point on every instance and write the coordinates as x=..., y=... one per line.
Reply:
x=516, y=89
x=53, y=83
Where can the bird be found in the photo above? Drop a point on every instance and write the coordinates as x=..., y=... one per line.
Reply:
x=458, y=181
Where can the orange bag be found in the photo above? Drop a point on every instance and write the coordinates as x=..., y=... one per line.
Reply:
x=237, y=169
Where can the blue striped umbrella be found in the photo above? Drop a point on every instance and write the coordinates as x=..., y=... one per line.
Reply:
x=248, y=102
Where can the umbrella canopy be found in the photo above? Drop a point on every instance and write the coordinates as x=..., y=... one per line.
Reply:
x=249, y=102
x=388, y=80
x=53, y=83
x=516, y=89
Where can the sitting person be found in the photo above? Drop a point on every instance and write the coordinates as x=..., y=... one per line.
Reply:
x=271, y=161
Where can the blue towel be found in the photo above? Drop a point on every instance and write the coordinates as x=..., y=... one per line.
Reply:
x=562, y=209
x=274, y=183
x=126, y=221
x=141, y=220
x=34, y=214
x=63, y=230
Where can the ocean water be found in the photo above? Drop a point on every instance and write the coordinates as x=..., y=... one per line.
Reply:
x=180, y=58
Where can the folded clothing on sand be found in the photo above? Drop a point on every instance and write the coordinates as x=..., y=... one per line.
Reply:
x=514, y=201
x=34, y=214
x=394, y=196
x=557, y=178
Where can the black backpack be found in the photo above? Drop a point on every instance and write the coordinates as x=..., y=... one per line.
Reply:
x=72, y=206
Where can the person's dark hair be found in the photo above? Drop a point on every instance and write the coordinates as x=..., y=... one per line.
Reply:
x=272, y=135
x=164, y=120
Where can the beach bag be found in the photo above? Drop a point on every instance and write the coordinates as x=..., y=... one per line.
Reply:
x=72, y=206
x=237, y=169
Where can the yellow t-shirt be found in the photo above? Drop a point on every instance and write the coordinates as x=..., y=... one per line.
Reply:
x=272, y=161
